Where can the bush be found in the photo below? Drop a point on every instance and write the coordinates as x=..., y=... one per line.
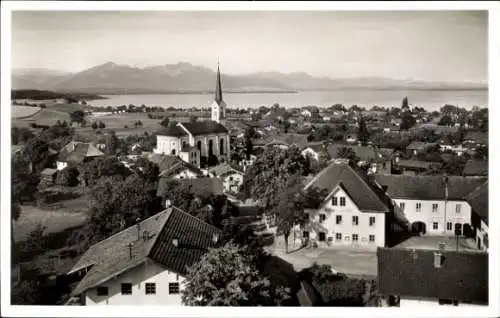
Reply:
x=67, y=177
x=94, y=125
x=102, y=125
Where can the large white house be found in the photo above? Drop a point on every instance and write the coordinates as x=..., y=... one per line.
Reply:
x=432, y=204
x=208, y=137
x=354, y=211
x=144, y=264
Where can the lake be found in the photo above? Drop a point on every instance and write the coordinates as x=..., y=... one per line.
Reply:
x=429, y=99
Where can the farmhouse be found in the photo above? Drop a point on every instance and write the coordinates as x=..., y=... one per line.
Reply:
x=433, y=205
x=144, y=264
x=77, y=152
x=354, y=212
x=478, y=200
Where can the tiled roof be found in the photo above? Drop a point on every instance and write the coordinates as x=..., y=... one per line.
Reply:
x=178, y=167
x=476, y=168
x=172, y=130
x=418, y=145
x=478, y=200
x=111, y=256
x=202, y=187
x=463, y=276
x=222, y=169
x=428, y=187
x=48, y=172
x=299, y=140
x=204, y=127
x=77, y=151
x=363, y=153
x=365, y=195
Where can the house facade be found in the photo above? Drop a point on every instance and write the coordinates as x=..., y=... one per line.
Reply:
x=77, y=152
x=432, y=204
x=232, y=179
x=353, y=213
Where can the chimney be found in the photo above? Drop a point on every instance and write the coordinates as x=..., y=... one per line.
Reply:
x=145, y=236
x=130, y=250
x=138, y=220
x=175, y=242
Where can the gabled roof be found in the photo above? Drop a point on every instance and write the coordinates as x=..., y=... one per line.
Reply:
x=223, y=169
x=364, y=194
x=478, y=200
x=179, y=166
x=476, y=168
x=172, y=130
x=204, y=127
x=363, y=153
x=77, y=151
x=428, y=187
x=463, y=276
x=111, y=256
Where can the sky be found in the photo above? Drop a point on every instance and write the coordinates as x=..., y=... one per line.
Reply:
x=420, y=45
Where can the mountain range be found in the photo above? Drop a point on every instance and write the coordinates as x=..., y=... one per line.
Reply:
x=111, y=78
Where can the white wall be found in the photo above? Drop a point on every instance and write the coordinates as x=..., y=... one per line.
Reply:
x=165, y=144
x=311, y=152
x=237, y=180
x=185, y=174
x=422, y=303
x=61, y=165
x=146, y=273
x=428, y=217
x=347, y=228
x=481, y=233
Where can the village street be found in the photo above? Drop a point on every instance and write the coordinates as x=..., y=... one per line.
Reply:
x=345, y=260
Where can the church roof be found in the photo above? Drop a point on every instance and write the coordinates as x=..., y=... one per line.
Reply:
x=218, y=88
x=172, y=130
x=204, y=127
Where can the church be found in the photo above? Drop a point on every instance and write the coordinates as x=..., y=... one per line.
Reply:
x=193, y=140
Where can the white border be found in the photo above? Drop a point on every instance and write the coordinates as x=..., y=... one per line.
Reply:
x=492, y=310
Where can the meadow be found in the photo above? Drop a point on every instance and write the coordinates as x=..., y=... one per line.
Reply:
x=19, y=112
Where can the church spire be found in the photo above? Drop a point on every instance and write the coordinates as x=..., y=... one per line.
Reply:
x=218, y=86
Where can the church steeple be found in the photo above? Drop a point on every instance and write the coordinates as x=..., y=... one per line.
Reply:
x=218, y=86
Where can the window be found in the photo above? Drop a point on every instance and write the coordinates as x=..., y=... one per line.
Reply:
x=435, y=225
x=322, y=236
x=173, y=288
x=102, y=291
x=334, y=201
x=418, y=207
x=338, y=219
x=230, y=178
x=342, y=201
x=458, y=208
x=372, y=220
x=305, y=234
x=434, y=207
x=322, y=218
x=126, y=289
x=371, y=238
x=402, y=206
x=355, y=220
x=150, y=288
x=355, y=237
x=338, y=236
x=173, y=152
x=449, y=226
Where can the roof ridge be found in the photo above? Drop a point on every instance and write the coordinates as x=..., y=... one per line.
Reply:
x=319, y=174
x=197, y=218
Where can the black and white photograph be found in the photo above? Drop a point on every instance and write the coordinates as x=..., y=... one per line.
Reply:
x=225, y=157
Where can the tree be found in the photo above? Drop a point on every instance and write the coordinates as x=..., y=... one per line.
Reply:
x=91, y=171
x=481, y=153
x=102, y=125
x=407, y=122
x=94, y=125
x=138, y=124
x=227, y=276
x=165, y=122
x=24, y=183
x=148, y=170
x=445, y=121
x=112, y=143
x=37, y=153
x=77, y=116
x=67, y=177
x=363, y=133
x=323, y=157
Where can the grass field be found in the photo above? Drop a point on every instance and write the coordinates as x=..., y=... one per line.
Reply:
x=24, y=111
x=60, y=216
x=117, y=122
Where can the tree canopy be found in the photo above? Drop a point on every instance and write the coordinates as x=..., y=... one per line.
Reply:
x=228, y=276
